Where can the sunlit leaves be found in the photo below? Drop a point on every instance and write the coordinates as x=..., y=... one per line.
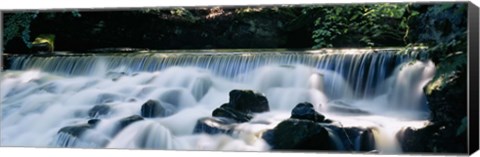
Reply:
x=364, y=24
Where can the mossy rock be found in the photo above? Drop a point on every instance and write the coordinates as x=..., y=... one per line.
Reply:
x=44, y=42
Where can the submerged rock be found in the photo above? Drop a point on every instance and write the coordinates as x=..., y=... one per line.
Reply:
x=227, y=112
x=248, y=101
x=307, y=112
x=128, y=120
x=153, y=108
x=114, y=75
x=343, y=108
x=93, y=122
x=71, y=135
x=98, y=110
x=214, y=125
x=351, y=138
x=105, y=98
x=76, y=130
x=200, y=87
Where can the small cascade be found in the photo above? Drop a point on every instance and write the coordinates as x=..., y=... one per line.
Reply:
x=370, y=94
x=362, y=69
x=144, y=134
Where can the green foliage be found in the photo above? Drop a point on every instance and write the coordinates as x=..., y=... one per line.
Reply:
x=18, y=25
x=180, y=13
x=363, y=25
x=442, y=27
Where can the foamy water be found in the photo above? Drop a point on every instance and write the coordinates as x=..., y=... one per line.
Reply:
x=38, y=101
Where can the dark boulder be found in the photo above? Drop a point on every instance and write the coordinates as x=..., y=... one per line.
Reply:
x=432, y=138
x=307, y=112
x=242, y=104
x=71, y=136
x=227, y=112
x=248, y=101
x=297, y=134
x=268, y=136
x=367, y=141
x=99, y=110
x=416, y=140
x=305, y=134
x=153, y=108
x=447, y=98
x=212, y=125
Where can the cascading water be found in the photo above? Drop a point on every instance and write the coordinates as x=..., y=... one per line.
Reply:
x=42, y=94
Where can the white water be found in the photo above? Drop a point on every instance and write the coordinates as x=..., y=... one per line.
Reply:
x=37, y=103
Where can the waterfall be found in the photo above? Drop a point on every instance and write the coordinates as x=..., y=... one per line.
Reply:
x=363, y=70
x=42, y=94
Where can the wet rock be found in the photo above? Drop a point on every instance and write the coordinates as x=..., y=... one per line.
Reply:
x=98, y=110
x=268, y=136
x=93, y=122
x=248, y=101
x=76, y=130
x=124, y=122
x=432, y=138
x=347, y=138
x=447, y=101
x=416, y=140
x=242, y=105
x=447, y=98
x=153, y=108
x=297, y=134
x=367, y=141
x=228, y=112
x=307, y=112
x=129, y=120
x=328, y=120
x=214, y=125
x=114, y=75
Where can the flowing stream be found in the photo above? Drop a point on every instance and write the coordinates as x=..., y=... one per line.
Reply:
x=42, y=94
